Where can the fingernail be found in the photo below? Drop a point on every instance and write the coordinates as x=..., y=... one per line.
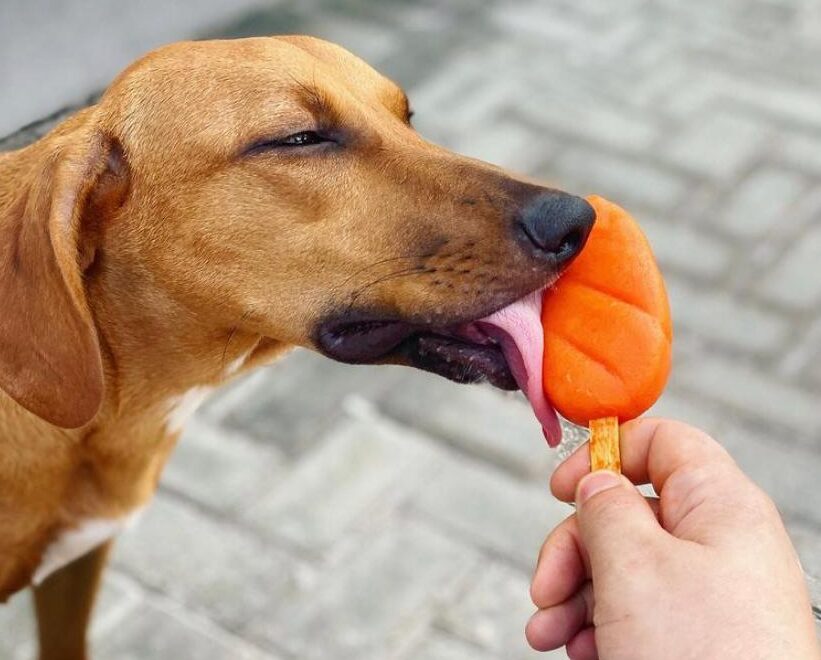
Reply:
x=595, y=483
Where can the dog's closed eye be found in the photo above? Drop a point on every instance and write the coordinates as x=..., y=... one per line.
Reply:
x=293, y=141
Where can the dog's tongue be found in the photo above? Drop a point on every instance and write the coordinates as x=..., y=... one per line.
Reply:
x=518, y=328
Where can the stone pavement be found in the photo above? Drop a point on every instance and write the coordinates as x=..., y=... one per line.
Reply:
x=315, y=510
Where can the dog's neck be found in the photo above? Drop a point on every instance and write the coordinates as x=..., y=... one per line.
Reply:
x=155, y=351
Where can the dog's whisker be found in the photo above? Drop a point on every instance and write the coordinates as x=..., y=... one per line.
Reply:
x=381, y=262
x=405, y=272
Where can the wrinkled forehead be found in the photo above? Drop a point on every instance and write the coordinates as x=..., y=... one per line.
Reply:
x=214, y=94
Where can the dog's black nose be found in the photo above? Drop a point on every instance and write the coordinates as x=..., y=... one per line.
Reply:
x=557, y=224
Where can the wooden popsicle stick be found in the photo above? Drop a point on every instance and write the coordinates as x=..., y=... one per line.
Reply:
x=605, y=453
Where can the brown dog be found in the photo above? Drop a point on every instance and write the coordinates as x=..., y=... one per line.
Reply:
x=222, y=202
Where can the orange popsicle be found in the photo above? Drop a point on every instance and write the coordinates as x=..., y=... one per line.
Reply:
x=607, y=326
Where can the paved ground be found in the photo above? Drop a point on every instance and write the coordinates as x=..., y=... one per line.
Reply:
x=320, y=511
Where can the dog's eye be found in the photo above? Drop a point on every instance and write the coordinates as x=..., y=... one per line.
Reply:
x=303, y=139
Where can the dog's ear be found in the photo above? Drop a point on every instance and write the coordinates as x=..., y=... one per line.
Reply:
x=50, y=359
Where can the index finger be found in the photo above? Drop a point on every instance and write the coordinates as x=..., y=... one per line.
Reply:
x=651, y=450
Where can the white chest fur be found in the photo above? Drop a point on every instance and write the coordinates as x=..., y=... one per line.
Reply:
x=74, y=543
x=183, y=407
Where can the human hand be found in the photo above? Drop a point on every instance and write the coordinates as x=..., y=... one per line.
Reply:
x=706, y=571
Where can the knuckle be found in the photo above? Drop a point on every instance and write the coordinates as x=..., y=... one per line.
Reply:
x=559, y=539
x=675, y=433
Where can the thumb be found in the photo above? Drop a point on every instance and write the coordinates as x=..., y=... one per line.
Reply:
x=615, y=521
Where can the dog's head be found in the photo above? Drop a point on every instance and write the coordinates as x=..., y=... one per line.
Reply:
x=276, y=186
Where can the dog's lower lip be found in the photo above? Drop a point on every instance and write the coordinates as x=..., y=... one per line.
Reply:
x=462, y=352
x=363, y=341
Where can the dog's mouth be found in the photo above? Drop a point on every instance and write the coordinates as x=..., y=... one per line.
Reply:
x=504, y=348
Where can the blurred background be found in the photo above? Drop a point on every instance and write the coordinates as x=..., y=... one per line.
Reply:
x=314, y=510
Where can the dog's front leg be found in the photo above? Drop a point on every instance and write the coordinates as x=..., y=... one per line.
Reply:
x=64, y=602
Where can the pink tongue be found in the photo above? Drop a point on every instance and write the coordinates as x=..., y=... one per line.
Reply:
x=518, y=328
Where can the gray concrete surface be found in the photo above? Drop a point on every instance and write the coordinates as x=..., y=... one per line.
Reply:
x=54, y=52
x=321, y=511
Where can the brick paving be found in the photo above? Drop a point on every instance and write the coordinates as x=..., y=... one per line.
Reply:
x=315, y=510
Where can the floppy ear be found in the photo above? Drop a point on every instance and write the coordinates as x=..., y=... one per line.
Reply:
x=49, y=354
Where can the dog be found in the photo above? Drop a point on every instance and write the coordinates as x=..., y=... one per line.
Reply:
x=223, y=202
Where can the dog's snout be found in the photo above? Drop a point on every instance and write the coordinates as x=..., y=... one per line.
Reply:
x=557, y=224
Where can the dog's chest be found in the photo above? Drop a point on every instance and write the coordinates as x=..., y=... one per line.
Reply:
x=74, y=542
